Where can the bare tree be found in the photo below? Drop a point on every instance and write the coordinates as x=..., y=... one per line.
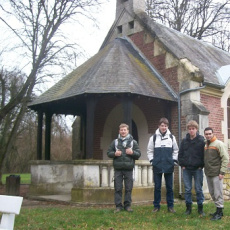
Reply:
x=36, y=26
x=201, y=19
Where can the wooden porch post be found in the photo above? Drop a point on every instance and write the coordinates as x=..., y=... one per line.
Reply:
x=39, y=135
x=90, y=107
x=48, y=136
x=127, y=111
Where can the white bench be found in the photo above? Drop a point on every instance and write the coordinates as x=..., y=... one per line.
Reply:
x=9, y=207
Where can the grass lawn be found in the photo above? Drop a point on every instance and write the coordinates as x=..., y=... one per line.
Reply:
x=72, y=217
x=25, y=178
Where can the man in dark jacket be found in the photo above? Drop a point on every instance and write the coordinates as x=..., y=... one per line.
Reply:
x=124, y=150
x=191, y=160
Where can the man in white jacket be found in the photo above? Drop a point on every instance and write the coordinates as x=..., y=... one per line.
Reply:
x=162, y=152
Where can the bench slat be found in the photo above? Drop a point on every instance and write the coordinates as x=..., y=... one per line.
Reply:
x=10, y=204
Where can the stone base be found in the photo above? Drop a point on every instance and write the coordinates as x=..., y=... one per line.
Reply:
x=106, y=195
x=49, y=189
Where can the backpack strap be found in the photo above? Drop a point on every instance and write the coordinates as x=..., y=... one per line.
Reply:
x=116, y=144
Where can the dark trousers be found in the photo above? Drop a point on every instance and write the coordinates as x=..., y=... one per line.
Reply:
x=119, y=177
x=169, y=189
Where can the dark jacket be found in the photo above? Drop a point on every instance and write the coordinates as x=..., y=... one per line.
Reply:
x=191, y=152
x=125, y=161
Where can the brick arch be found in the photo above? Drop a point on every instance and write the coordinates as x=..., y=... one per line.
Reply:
x=112, y=123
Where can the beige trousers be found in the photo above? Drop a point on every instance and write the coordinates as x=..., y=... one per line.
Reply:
x=215, y=187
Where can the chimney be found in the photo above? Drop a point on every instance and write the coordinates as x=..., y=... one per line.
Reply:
x=133, y=6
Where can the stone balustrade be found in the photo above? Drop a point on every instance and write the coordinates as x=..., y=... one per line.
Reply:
x=87, y=180
x=101, y=174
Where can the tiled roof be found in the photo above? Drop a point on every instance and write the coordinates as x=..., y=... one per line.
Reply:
x=117, y=68
x=207, y=58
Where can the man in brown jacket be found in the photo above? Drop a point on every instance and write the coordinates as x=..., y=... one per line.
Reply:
x=216, y=160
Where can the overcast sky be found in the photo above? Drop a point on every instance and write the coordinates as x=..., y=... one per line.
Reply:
x=92, y=37
x=86, y=34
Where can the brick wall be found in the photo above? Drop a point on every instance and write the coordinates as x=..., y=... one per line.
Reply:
x=103, y=108
x=147, y=48
x=213, y=104
x=152, y=108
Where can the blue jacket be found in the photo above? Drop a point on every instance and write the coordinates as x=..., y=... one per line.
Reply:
x=163, y=153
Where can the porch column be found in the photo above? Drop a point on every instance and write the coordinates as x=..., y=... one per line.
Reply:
x=90, y=107
x=39, y=135
x=127, y=111
x=48, y=136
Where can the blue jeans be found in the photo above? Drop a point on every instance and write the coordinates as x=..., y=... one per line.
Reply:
x=169, y=189
x=197, y=174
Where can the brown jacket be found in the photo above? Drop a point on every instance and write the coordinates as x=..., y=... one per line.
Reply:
x=216, y=158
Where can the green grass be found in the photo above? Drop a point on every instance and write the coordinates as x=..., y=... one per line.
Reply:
x=72, y=217
x=25, y=178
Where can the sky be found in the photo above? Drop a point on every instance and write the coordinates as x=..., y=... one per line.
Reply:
x=91, y=37
x=86, y=34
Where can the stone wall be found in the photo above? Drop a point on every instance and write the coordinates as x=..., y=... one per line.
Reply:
x=226, y=186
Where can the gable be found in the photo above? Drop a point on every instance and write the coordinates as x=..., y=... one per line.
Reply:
x=202, y=57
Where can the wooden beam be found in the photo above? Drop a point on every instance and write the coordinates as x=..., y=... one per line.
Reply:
x=39, y=135
x=48, y=136
x=90, y=112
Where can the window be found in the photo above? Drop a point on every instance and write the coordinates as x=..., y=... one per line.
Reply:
x=131, y=25
x=119, y=29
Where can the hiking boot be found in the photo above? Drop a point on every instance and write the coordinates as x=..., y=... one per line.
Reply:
x=213, y=214
x=200, y=210
x=128, y=209
x=171, y=210
x=218, y=215
x=156, y=209
x=118, y=209
x=188, y=209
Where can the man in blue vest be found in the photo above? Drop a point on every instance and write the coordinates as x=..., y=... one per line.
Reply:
x=162, y=152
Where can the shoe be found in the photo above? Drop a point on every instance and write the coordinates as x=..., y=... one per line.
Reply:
x=200, y=210
x=171, y=210
x=188, y=209
x=156, y=210
x=128, y=209
x=213, y=214
x=117, y=210
x=218, y=215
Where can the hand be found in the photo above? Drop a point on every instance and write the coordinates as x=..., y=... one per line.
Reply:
x=118, y=153
x=221, y=176
x=129, y=151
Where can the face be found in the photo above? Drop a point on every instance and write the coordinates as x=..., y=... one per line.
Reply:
x=208, y=134
x=123, y=131
x=163, y=127
x=192, y=131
